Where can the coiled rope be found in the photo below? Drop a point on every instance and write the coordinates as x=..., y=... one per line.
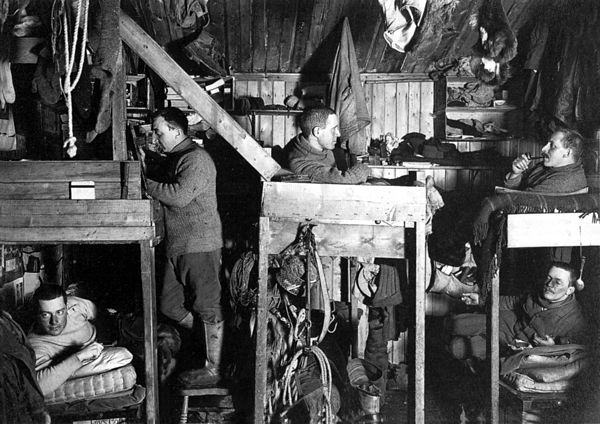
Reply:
x=68, y=85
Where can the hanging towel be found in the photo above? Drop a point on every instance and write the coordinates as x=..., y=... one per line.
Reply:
x=401, y=22
x=346, y=94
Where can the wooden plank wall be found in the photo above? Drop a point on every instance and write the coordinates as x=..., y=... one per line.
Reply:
x=398, y=104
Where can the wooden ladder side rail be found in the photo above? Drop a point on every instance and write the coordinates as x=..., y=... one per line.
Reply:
x=156, y=57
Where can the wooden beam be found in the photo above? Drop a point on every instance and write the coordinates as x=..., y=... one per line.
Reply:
x=150, y=336
x=155, y=57
x=119, y=111
x=344, y=204
x=80, y=235
x=354, y=240
x=551, y=229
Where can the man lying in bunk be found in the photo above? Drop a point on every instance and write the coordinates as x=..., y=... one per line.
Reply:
x=64, y=339
x=561, y=170
x=547, y=318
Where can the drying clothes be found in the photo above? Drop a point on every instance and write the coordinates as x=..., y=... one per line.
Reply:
x=401, y=22
x=346, y=95
x=105, y=61
x=46, y=81
x=7, y=90
x=188, y=11
x=8, y=135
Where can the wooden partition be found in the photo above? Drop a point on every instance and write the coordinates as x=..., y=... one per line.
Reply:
x=349, y=221
x=399, y=103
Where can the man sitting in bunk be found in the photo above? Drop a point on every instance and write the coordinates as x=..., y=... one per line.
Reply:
x=311, y=152
x=64, y=339
x=550, y=317
x=560, y=172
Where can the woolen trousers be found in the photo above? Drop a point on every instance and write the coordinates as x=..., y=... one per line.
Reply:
x=191, y=281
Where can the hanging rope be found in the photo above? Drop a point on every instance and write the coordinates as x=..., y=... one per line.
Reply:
x=290, y=394
x=68, y=85
x=579, y=285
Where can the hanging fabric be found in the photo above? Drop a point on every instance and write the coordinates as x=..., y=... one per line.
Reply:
x=401, y=21
x=8, y=135
x=346, y=95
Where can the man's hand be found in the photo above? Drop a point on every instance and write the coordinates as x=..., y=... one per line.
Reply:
x=543, y=341
x=471, y=299
x=89, y=353
x=520, y=165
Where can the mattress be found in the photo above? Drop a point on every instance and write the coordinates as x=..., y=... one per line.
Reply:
x=113, y=381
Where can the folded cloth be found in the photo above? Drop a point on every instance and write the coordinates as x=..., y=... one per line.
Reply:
x=543, y=356
x=556, y=373
x=524, y=383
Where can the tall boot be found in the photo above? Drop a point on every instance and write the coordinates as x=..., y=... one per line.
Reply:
x=210, y=375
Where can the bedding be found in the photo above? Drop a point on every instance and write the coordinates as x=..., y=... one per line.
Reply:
x=526, y=384
x=112, y=381
x=114, y=403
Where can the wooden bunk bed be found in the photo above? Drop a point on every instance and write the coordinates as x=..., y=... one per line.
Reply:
x=349, y=221
x=36, y=208
x=534, y=230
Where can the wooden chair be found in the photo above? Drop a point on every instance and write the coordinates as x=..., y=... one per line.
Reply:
x=186, y=392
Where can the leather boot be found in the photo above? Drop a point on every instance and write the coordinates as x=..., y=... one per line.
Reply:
x=210, y=375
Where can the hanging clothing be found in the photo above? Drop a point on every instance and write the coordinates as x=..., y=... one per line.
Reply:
x=346, y=95
x=401, y=22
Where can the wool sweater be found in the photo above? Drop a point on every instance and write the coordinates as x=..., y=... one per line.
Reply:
x=533, y=315
x=55, y=361
x=562, y=179
x=185, y=184
x=320, y=165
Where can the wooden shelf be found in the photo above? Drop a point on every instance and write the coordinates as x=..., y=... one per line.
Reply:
x=274, y=112
x=498, y=109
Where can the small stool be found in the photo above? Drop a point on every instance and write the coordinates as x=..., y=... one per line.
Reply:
x=186, y=392
x=529, y=404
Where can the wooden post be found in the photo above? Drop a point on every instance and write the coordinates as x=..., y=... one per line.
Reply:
x=261, y=322
x=420, y=258
x=119, y=111
x=494, y=347
x=149, y=298
x=155, y=57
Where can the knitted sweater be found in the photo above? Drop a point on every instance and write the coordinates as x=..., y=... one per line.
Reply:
x=185, y=184
x=320, y=165
x=561, y=179
x=563, y=320
x=54, y=359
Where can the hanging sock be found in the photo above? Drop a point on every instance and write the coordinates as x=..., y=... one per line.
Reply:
x=401, y=22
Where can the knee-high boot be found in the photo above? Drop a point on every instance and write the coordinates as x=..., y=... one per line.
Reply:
x=210, y=375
